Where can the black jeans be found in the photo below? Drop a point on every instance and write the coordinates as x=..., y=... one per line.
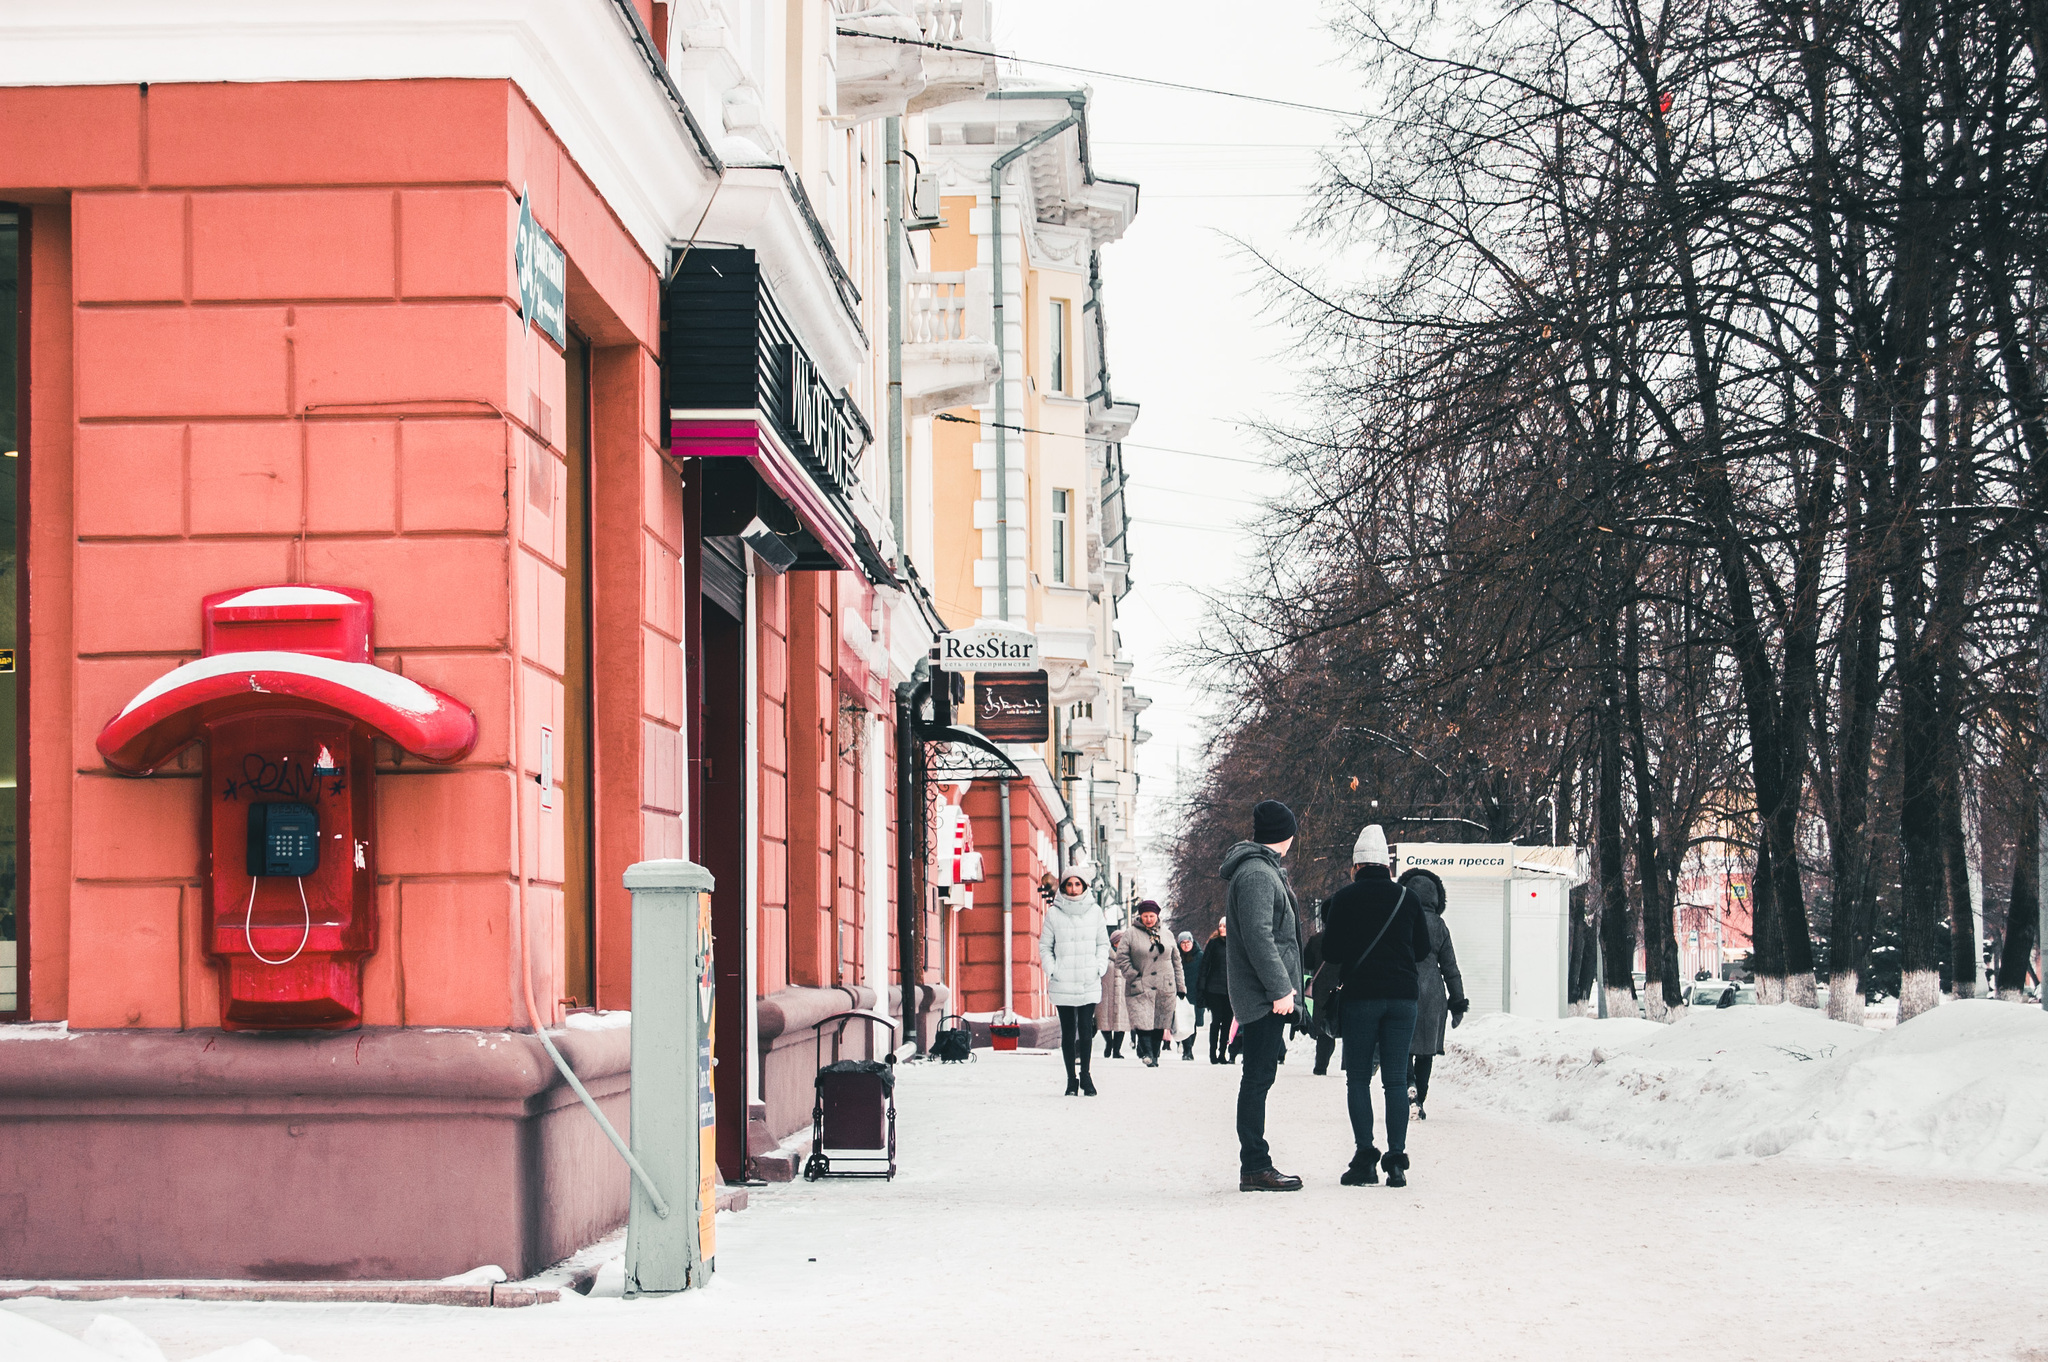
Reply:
x=1219, y=1030
x=1149, y=1043
x=1077, y=1035
x=1388, y=1025
x=1260, y=1045
x=1420, y=1067
x=1326, y=1045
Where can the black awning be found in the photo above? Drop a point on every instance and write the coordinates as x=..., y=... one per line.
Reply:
x=963, y=754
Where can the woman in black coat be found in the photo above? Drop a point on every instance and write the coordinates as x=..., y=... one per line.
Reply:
x=1375, y=933
x=1214, y=975
x=1441, y=987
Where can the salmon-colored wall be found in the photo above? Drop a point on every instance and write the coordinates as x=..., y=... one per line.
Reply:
x=298, y=357
x=981, y=927
x=772, y=642
x=812, y=838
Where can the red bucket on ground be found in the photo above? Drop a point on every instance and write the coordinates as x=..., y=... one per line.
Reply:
x=1003, y=1035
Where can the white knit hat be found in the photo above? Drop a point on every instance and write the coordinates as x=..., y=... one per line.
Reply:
x=1371, y=847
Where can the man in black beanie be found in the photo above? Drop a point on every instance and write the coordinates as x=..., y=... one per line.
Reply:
x=1263, y=947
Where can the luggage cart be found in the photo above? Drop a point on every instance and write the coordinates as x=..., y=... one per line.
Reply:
x=853, y=1118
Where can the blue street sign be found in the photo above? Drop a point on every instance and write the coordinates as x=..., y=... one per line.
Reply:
x=543, y=271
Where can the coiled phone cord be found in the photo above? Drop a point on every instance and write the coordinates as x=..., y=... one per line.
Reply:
x=249, y=918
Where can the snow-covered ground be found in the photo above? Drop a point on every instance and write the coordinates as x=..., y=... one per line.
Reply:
x=1559, y=1208
x=1961, y=1089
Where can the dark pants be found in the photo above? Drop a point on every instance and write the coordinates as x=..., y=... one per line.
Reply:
x=1077, y=1036
x=1388, y=1025
x=1112, y=1044
x=1151, y=1043
x=1326, y=1045
x=1219, y=1030
x=1187, y=1046
x=1260, y=1044
x=1420, y=1066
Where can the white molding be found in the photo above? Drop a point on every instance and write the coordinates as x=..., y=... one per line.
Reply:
x=754, y=209
x=570, y=57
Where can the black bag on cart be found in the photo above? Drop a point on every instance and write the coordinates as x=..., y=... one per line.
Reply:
x=954, y=1044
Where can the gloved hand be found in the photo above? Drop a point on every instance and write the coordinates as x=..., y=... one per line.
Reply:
x=1182, y=995
x=1459, y=1007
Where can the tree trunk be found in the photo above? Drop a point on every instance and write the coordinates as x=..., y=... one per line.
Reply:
x=1766, y=951
x=2022, y=916
x=1661, y=984
x=1617, y=934
x=1853, y=913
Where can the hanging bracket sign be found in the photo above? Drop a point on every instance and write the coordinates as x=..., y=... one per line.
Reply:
x=987, y=649
x=543, y=271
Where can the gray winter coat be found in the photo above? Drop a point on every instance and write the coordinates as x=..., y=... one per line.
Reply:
x=1074, y=950
x=1437, y=972
x=1150, y=965
x=1110, y=1013
x=1263, y=942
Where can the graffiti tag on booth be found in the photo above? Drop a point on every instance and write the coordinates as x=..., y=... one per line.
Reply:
x=1013, y=708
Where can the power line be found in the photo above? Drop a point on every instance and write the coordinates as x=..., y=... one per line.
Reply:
x=1117, y=75
x=1101, y=439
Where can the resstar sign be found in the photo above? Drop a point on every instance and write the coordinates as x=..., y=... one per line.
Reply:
x=988, y=649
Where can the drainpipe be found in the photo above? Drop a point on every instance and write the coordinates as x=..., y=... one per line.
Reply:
x=892, y=134
x=1076, y=101
x=1003, y=799
x=909, y=814
x=995, y=195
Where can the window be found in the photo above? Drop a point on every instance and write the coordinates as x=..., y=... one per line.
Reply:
x=1062, y=513
x=1059, y=346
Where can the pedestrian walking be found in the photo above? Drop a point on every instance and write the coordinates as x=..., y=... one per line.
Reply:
x=1191, y=972
x=1074, y=949
x=1152, y=981
x=1109, y=1010
x=1215, y=995
x=1375, y=931
x=1440, y=987
x=1264, y=949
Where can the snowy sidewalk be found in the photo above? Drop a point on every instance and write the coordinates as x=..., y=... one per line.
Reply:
x=1027, y=1224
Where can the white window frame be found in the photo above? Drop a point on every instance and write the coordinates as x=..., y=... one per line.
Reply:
x=1062, y=542
x=1057, y=330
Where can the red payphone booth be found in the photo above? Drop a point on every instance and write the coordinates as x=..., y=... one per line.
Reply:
x=286, y=700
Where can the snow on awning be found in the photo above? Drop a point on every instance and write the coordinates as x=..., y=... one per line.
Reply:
x=166, y=716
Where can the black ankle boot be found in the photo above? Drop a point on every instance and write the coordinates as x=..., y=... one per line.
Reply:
x=1397, y=1169
x=1364, y=1170
x=1073, y=1086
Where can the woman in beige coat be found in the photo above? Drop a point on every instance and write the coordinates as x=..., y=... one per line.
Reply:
x=1153, y=981
x=1110, y=1017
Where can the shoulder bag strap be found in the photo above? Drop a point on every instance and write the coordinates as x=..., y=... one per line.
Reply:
x=1382, y=931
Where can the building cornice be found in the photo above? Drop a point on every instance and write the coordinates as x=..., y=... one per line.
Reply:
x=572, y=58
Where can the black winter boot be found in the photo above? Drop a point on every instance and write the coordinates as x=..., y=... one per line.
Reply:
x=1364, y=1170
x=1397, y=1169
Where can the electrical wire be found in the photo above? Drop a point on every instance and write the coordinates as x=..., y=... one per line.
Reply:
x=1102, y=440
x=1119, y=75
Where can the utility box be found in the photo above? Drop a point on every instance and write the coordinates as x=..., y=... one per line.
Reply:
x=1508, y=910
x=674, y=1114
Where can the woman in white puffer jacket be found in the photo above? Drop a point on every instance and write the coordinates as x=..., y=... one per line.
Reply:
x=1074, y=951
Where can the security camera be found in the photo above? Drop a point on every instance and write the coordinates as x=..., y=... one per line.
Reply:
x=768, y=546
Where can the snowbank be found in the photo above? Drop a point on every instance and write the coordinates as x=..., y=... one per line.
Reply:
x=1961, y=1089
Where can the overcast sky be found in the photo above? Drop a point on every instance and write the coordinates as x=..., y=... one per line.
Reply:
x=1187, y=337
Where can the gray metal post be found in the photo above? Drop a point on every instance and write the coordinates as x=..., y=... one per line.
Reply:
x=892, y=141
x=995, y=200
x=671, y=1102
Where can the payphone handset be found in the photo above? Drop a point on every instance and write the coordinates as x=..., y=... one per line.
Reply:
x=284, y=840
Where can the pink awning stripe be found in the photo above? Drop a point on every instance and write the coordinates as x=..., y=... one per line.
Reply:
x=724, y=435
